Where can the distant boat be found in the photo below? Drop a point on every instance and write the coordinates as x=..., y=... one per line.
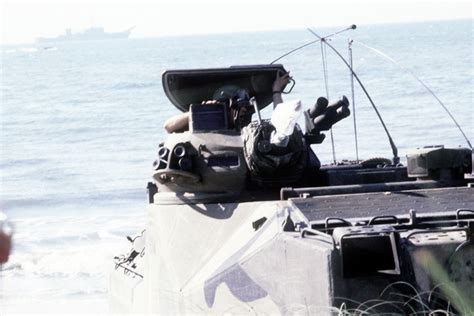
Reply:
x=90, y=34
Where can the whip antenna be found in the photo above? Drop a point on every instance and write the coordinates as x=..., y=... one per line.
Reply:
x=396, y=159
x=352, y=27
x=424, y=85
x=353, y=101
x=326, y=84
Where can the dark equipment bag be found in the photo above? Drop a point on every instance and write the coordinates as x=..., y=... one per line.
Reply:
x=270, y=165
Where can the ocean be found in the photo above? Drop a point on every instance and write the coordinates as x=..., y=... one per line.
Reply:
x=81, y=123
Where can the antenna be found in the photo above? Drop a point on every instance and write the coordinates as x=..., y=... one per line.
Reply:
x=352, y=27
x=326, y=84
x=353, y=101
x=396, y=159
x=424, y=85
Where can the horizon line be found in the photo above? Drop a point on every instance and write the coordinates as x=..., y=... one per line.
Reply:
x=434, y=20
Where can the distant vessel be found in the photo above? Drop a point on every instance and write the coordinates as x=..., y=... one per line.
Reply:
x=90, y=34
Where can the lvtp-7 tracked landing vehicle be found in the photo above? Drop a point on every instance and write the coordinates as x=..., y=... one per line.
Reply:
x=223, y=237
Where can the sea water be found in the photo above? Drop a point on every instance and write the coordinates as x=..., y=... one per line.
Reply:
x=81, y=123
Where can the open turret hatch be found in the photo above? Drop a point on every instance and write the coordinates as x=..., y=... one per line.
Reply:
x=188, y=86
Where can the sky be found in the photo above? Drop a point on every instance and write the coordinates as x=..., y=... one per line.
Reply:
x=23, y=21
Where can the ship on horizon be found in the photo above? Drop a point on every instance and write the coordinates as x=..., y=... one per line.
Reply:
x=90, y=34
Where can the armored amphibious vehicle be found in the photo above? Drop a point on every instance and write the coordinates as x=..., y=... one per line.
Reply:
x=236, y=225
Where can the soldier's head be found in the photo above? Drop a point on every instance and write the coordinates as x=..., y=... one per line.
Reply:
x=238, y=101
